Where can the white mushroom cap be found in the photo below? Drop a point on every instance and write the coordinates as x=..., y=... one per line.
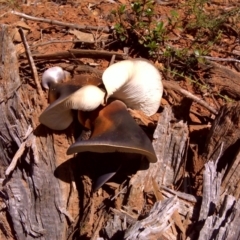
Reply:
x=58, y=115
x=53, y=75
x=136, y=82
x=87, y=98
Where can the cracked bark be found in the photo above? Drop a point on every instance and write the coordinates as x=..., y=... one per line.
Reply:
x=31, y=198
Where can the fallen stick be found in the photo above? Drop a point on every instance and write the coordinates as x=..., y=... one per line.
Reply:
x=59, y=23
x=31, y=62
x=220, y=59
x=63, y=41
x=20, y=151
x=81, y=53
x=14, y=161
x=175, y=87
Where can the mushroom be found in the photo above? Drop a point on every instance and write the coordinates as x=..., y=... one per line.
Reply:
x=133, y=83
x=114, y=130
x=136, y=82
x=65, y=96
x=54, y=75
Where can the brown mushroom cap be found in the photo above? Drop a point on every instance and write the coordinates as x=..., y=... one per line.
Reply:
x=114, y=130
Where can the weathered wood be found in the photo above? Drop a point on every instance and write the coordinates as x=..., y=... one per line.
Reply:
x=223, y=134
x=153, y=226
x=218, y=212
x=35, y=205
x=170, y=142
x=41, y=198
x=225, y=79
x=231, y=182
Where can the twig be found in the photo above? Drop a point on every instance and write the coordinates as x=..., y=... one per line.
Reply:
x=29, y=131
x=112, y=59
x=31, y=62
x=123, y=215
x=29, y=142
x=165, y=3
x=184, y=196
x=98, y=228
x=4, y=14
x=220, y=59
x=59, y=23
x=17, y=155
x=64, y=41
x=59, y=41
x=125, y=188
x=80, y=53
x=173, y=86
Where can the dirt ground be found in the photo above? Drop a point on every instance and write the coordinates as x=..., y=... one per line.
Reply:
x=45, y=38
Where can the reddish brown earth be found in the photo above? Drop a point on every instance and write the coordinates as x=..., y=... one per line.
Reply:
x=98, y=13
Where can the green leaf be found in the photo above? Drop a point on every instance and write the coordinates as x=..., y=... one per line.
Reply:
x=121, y=9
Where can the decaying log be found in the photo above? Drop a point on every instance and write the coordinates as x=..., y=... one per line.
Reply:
x=226, y=80
x=31, y=197
x=223, y=145
x=200, y=218
x=170, y=144
x=224, y=132
x=44, y=195
x=153, y=226
x=220, y=203
x=219, y=212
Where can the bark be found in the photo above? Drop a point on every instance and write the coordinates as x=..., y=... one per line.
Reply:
x=44, y=194
x=225, y=79
x=32, y=199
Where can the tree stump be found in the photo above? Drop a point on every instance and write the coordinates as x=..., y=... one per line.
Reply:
x=45, y=194
x=33, y=201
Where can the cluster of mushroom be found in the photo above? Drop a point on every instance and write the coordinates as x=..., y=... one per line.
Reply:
x=102, y=106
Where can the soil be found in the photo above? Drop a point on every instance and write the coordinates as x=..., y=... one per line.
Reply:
x=41, y=36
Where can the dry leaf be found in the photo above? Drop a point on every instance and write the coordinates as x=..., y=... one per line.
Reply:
x=19, y=48
x=143, y=118
x=82, y=36
x=15, y=34
x=23, y=25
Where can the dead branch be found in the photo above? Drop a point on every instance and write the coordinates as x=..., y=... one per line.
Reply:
x=17, y=155
x=81, y=53
x=64, y=41
x=59, y=23
x=32, y=183
x=31, y=62
x=220, y=59
x=173, y=86
x=225, y=79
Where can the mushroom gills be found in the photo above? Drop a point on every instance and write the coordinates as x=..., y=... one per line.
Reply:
x=136, y=82
x=114, y=130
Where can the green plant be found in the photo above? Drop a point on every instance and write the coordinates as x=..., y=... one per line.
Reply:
x=138, y=24
x=206, y=25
